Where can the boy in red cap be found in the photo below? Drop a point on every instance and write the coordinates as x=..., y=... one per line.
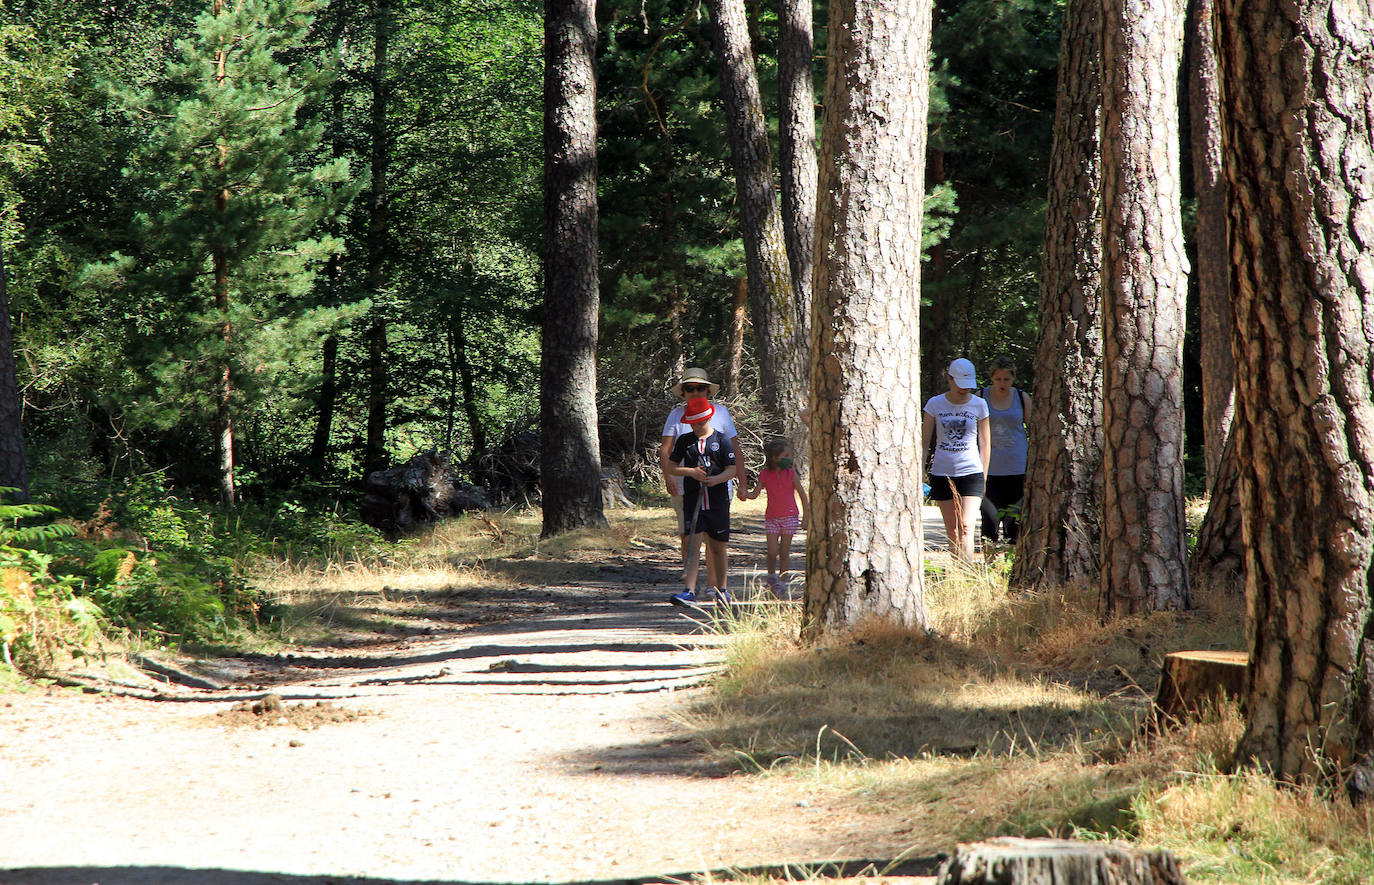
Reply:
x=705, y=460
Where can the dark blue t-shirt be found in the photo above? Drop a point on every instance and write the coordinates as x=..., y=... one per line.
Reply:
x=713, y=453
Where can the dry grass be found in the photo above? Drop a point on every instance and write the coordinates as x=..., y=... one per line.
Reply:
x=1024, y=714
x=471, y=557
x=1239, y=828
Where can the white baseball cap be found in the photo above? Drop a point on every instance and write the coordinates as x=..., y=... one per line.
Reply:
x=962, y=373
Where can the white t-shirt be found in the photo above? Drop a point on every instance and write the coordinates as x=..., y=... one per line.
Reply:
x=721, y=421
x=956, y=435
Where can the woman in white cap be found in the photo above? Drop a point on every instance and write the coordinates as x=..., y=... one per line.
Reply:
x=694, y=383
x=956, y=422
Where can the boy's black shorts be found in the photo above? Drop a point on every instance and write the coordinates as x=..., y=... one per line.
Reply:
x=715, y=522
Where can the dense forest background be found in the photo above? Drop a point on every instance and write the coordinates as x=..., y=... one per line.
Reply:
x=385, y=164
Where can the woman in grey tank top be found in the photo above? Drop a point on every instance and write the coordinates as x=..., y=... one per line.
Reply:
x=1008, y=411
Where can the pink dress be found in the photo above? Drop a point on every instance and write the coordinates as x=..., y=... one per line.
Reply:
x=780, y=516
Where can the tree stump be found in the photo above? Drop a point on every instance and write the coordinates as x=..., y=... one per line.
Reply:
x=1008, y=861
x=1193, y=680
x=424, y=489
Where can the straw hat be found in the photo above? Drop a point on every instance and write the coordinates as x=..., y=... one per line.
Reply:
x=698, y=376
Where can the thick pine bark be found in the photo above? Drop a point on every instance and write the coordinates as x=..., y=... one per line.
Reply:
x=1145, y=278
x=374, y=452
x=864, y=539
x=570, y=456
x=1299, y=80
x=14, y=470
x=779, y=328
x=1213, y=258
x=797, y=143
x=1059, y=522
x=1220, y=553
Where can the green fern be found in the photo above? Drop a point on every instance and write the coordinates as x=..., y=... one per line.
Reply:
x=12, y=513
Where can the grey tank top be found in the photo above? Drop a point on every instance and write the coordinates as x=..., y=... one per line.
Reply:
x=1008, y=431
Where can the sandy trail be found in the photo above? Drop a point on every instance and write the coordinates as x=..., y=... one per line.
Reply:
x=541, y=749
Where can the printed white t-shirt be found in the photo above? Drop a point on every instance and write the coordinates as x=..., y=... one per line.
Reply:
x=956, y=435
x=721, y=421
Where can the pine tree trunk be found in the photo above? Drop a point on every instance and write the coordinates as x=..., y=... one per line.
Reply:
x=737, y=318
x=1299, y=80
x=468, y=384
x=374, y=452
x=1145, y=278
x=797, y=143
x=1059, y=522
x=676, y=308
x=864, y=541
x=779, y=328
x=329, y=360
x=334, y=274
x=1213, y=257
x=1219, y=557
x=14, y=470
x=570, y=456
x=224, y=416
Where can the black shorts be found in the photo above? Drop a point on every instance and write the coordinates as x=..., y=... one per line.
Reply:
x=970, y=485
x=714, y=522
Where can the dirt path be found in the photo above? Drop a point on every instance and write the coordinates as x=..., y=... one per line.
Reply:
x=538, y=749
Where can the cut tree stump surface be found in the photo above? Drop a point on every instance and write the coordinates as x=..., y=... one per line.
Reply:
x=1193, y=680
x=1011, y=861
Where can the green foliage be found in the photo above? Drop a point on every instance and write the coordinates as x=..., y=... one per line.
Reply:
x=994, y=85
x=144, y=592
x=111, y=124
x=39, y=614
x=669, y=224
x=12, y=514
x=224, y=201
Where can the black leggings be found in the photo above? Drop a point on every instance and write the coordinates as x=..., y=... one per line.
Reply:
x=1002, y=492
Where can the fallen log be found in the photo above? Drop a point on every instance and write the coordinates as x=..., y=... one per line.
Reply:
x=1192, y=681
x=424, y=489
x=1012, y=861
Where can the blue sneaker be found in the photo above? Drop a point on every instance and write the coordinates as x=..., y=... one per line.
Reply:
x=685, y=598
x=722, y=596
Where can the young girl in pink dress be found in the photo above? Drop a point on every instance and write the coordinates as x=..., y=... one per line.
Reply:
x=782, y=517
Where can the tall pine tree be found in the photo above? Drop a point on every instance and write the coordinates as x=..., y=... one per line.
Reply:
x=228, y=245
